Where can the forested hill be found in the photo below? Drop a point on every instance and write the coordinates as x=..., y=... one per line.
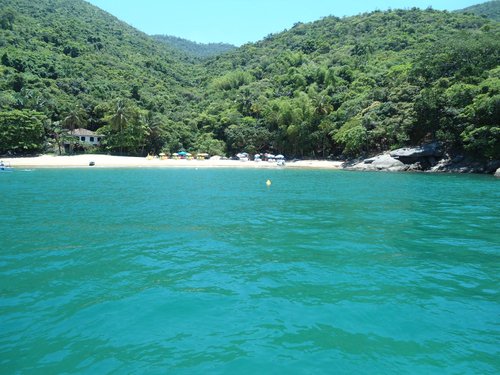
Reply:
x=490, y=9
x=364, y=84
x=194, y=49
x=339, y=86
x=78, y=66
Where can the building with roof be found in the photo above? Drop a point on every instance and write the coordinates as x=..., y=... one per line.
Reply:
x=84, y=138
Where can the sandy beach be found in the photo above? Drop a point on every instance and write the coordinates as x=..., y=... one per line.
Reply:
x=108, y=161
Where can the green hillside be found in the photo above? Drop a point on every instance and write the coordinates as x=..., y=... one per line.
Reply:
x=194, y=49
x=336, y=87
x=359, y=85
x=490, y=9
x=76, y=65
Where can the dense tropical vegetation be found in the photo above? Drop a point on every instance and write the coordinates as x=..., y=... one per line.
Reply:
x=490, y=10
x=193, y=49
x=338, y=86
x=62, y=56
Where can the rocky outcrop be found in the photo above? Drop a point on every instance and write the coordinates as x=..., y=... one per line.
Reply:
x=383, y=162
x=426, y=155
x=426, y=158
x=460, y=164
x=403, y=159
x=412, y=154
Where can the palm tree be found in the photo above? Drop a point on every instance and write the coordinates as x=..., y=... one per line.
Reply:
x=322, y=105
x=155, y=132
x=58, y=134
x=120, y=119
x=74, y=119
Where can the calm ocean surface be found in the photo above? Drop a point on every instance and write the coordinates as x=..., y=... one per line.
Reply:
x=155, y=271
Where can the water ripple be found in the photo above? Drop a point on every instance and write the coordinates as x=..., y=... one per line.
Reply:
x=154, y=271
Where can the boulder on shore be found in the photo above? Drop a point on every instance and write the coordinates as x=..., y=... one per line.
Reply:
x=380, y=163
x=425, y=153
x=428, y=157
x=460, y=164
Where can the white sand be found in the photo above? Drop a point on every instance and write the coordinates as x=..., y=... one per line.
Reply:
x=107, y=161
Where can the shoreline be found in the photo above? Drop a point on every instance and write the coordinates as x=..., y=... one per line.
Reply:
x=109, y=161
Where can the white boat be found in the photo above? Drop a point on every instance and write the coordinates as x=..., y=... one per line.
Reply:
x=5, y=166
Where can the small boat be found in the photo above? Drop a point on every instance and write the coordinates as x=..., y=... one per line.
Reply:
x=5, y=166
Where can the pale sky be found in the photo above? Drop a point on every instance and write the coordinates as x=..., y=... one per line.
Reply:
x=241, y=21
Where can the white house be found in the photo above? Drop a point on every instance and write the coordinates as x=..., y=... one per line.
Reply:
x=87, y=136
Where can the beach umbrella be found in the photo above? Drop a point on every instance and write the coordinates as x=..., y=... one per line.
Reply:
x=162, y=154
x=182, y=153
x=279, y=156
x=175, y=154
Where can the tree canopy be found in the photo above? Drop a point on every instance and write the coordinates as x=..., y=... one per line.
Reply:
x=335, y=87
x=193, y=49
x=489, y=9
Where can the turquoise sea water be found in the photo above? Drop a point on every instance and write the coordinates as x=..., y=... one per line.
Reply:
x=155, y=271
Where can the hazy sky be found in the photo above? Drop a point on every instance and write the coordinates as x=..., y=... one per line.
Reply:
x=241, y=21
